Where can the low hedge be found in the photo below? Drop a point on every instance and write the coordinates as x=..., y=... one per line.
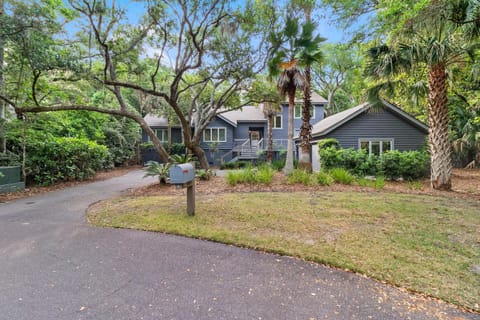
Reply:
x=64, y=159
x=391, y=164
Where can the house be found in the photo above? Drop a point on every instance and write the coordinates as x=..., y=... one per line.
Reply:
x=240, y=134
x=375, y=128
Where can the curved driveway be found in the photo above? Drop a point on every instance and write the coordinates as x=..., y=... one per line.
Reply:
x=54, y=266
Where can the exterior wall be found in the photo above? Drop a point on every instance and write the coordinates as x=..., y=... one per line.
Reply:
x=222, y=148
x=381, y=124
x=297, y=123
x=241, y=131
x=176, y=134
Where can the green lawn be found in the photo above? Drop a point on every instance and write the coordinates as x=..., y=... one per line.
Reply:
x=423, y=243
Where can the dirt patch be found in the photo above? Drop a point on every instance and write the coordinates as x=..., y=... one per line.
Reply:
x=35, y=190
x=465, y=185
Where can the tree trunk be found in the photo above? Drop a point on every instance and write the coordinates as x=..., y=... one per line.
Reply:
x=304, y=160
x=201, y=156
x=291, y=106
x=3, y=141
x=270, y=138
x=439, y=142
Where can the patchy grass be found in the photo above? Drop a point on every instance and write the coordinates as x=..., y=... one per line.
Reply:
x=426, y=244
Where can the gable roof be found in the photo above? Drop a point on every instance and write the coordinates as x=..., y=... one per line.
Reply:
x=314, y=97
x=331, y=123
x=245, y=114
x=155, y=121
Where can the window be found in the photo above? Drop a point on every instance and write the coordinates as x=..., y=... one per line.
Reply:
x=376, y=146
x=277, y=122
x=162, y=135
x=215, y=135
x=298, y=111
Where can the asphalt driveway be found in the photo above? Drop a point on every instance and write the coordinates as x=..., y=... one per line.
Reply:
x=55, y=266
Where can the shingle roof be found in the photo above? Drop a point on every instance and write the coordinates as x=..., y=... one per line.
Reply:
x=315, y=97
x=156, y=121
x=330, y=123
x=247, y=113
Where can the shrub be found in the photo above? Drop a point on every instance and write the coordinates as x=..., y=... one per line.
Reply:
x=64, y=159
x=8, y=159
x=278, y=164
x=264, y=175
x=328, y=143
x=300, y=176
x=380, y=182
x=357, y=162
x=323, y=179
x=234, y=165
x=153, y=168
x=342, y=176
x=409, y=165
x=177, y=148
x=183, y=158
x=203, y=174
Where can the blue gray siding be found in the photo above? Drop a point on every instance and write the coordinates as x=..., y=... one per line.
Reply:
x=222, y=147
x=379, y=124
x=176, y=134
x=297, y=123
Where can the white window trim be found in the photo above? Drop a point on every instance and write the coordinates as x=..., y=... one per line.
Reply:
x=156, y=134
x=370, y=140
x=312, y=116
x=218, y=128
x=281, y=122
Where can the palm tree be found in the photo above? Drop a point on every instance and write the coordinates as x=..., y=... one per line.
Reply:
x=270, y=109
x=292, y=49
x=436, y=39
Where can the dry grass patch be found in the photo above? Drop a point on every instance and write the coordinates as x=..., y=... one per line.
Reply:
x=424, y=243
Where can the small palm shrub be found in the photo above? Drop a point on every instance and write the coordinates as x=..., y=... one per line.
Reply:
x=153, y=168
x=265, y=174
x=182, y=158
x=300, y=176
x=341, y=175
x=323, y=179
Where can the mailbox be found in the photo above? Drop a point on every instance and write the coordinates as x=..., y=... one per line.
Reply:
x=182, y=173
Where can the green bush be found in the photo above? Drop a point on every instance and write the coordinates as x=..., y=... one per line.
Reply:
x=64, y=159
x=391, y=164
x=300, y=176
x=357, y=162
x=409, y=165
x=278, y=164
x=234, y=165
x=328, y=143
x=341, y=175
x=323, y=179
x=263, y=175
x=203, y=174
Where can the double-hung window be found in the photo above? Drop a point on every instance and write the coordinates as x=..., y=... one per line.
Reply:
x=376, y=146
x=162, y=135
x=298, y=111
x=277, y=121
x=215, y=135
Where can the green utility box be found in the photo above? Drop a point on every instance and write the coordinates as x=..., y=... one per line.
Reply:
x=11, y=179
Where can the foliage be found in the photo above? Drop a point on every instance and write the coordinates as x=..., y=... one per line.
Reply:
x=203, y=174
x=392, y=164
x=341, y=175
x=64, y=159
x=278, y=164
x=162, y=170
x=328, y=142
x=8, y=159
x=182, y=158
x=407, y=165
x=177, y=148
x=260, y=175
x=356, y=161
x=323, y=178
x=234, y=165
x=301, y=176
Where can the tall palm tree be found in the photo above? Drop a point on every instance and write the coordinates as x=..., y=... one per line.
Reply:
x=292, y=49
x=438, y=38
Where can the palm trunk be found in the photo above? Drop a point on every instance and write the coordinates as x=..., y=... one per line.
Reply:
x=440, y=146
x=304, y=160
x=3, y=141
x=291, y=106
x=270, y=138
